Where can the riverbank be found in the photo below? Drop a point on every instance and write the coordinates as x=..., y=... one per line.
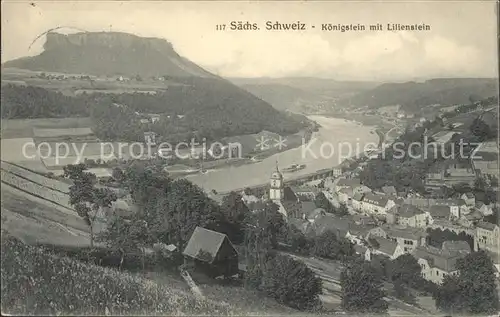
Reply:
x=336, y=140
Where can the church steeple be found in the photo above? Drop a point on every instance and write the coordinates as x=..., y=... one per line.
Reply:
x=276, y=191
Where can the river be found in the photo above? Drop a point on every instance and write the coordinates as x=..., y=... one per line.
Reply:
x=346, y=138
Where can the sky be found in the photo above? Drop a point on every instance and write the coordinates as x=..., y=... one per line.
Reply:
x=461, y=43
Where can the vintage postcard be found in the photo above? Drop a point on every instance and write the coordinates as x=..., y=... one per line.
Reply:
x=249, y=158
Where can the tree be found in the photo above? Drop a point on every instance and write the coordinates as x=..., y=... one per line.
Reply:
x=362, y=289
x=291, y=282
x=473, y=291
x=125, y=236
x=462, y=188
x=405, y=271
x=322, y=202
x=321, y=184
x=297, y=240
x=403, y=292
x=436, y=237
x=261, y=236
x=234, y=211
x=118, y=174
x=480, y=184
x=327, y=245
x=178, y=212
x=85, y=198
x=342, y=210
x=481, y=129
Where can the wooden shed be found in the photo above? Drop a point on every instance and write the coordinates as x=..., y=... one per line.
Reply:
x=212, y=253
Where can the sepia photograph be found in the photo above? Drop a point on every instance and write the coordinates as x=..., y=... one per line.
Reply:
x=250, y=158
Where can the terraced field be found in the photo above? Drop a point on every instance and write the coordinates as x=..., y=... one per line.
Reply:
x=35, y=178
x=35, y=189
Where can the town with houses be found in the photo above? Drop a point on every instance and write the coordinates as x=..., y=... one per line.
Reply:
x=112, y=203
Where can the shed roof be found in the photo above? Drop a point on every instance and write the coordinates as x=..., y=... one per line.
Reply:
x=204, y=240
x=442, y=212
x=386, y=246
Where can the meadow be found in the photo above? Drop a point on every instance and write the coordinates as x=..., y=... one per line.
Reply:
x=37, y=283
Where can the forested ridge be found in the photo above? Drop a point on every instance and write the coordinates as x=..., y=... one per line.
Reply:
x=208, y=108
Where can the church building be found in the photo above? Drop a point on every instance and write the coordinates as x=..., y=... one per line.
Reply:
x=288, y=203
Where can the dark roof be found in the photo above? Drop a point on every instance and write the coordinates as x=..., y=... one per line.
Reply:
x=374, y=199
x=288, y=194
x=440, y=212
x=304, y=189
x=456, y=246
x=307, y=207
x=407, y=211
x=443, y=260
x=318, y=212
x=358, y=197
x=330, y=222
x=206, y=241
x=360, y=230
x=486, y=225
x=360, y=249
x=405, y=232
x=389, y=190
x=386, y=246
x=348, y=182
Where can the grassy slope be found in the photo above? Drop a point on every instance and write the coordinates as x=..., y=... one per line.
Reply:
x=37, y=283
x=36, y=221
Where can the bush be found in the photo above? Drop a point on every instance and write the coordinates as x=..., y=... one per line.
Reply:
x=37, y=283
x=291, y=282
x=106, y=257
x=327, y=245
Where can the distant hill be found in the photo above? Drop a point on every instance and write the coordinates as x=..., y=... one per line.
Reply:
x=109, y=53
x=213, y=107
x=303, y=94
x=412, y=95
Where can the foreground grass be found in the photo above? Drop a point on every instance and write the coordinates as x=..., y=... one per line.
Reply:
x=36, y=283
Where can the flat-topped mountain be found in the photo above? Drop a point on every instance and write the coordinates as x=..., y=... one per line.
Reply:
x=109, y=53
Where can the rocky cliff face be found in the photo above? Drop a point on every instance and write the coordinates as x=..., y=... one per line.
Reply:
x=109, y=53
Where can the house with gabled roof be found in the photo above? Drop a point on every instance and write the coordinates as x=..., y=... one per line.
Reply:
x=487, y=235
x=347, y=183
x=410, y=216
x=212, y=253
x=456, y=246
x=386, y=247
x=305, y=192
x=363, y=251
x=484, y=209
x=407, y=237
x=469, y=198
x=376, y=204
x=439, y=213
x=313, y=214
x=437, y=263
x=356, y=201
